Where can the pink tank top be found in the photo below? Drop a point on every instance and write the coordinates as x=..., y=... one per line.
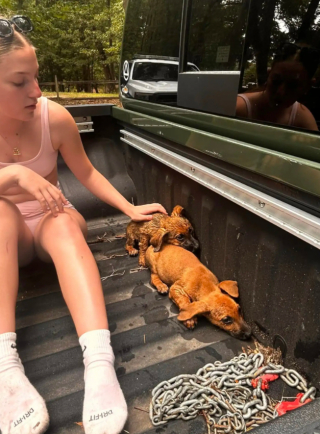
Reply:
x=46, y=159
x=293, y=113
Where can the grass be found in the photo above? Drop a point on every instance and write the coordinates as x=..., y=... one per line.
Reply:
x=81, y=95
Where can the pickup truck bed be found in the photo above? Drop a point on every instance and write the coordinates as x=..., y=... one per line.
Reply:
x=150, y=345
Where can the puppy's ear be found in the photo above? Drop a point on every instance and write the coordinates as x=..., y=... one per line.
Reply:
x=177, y=211
x=158, y=238
x=230, y=287
x=196, y=308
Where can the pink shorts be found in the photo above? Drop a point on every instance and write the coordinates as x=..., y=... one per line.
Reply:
x=32, y=213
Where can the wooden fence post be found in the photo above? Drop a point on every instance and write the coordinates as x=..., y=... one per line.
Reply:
x=57, y=86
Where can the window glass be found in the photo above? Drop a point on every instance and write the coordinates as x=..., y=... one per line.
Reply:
x=254, y=59
x=217, y=34
x=273, y=45
x=280, y=81
x=215, y=45
x=150, y=54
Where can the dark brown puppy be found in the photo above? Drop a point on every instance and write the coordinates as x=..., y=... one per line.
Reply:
x=195, y=290
x=174, y=229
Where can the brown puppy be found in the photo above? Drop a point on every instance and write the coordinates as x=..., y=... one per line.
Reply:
x=174, y=229
x=195, y=290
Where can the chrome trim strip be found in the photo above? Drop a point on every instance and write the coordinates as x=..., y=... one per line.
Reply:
x=86, y=131
x=291, y=219
x=84, y=123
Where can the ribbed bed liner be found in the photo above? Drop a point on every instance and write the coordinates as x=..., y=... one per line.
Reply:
x=150, y=345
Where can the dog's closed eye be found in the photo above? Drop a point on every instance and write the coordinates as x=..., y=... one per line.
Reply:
x=180, y=237
x=227, y=320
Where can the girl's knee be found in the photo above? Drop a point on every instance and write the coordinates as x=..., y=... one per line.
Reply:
x=62, y=227
x=56, y=233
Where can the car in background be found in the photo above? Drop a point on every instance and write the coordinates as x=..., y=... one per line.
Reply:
x=152, y=78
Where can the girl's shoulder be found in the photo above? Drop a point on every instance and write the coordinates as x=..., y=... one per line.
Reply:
x=57, y=113
x=244, y=103
x=241, y=107
x=305, y=119
x=61, y=123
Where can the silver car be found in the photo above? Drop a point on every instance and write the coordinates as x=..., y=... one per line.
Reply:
x=152, y=79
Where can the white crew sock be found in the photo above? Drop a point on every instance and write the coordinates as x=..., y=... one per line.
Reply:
x=105, y=409
x=22, y=409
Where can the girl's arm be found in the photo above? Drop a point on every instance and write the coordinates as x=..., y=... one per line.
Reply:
x=42, y=190
x=8, y=178
x=74, y=155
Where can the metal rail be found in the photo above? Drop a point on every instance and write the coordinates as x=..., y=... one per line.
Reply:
x=291, y=219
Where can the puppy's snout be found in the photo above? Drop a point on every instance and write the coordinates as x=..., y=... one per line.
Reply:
x=247, y=334
x=192, y=244
x=195, y=243
x=244, y=333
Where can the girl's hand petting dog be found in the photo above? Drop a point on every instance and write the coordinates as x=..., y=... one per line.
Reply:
x=141, y=213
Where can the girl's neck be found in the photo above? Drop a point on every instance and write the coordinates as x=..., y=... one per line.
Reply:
x=265, y=104
x=10, y=127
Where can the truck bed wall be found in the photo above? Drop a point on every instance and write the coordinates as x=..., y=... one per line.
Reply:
x=278, y=274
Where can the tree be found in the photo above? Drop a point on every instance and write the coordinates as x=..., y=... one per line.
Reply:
x=74, y=40
x=273, y=22
x=307, y=21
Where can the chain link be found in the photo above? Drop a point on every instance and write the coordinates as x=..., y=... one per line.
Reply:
x=223, y=393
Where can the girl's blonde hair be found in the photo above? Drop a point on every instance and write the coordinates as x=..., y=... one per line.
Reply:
x=16, y=41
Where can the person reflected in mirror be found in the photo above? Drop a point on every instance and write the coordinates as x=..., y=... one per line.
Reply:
x=289, y=80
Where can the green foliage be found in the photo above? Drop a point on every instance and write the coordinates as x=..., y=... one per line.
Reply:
x=75, y=39
x=275, y=22
x=250, y=74
x=225, y=28
x=81, y=39
x=152, y=27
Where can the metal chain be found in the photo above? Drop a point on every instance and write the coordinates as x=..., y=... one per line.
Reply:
x=223, y=393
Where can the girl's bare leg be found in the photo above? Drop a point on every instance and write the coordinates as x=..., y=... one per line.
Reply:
x=62, y=240
x=21, y=407
x=16, y=248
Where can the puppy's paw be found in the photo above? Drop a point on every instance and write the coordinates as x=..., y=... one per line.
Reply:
x=142, y=262
x=162, y=289
x=191, y=323
x=132, y=251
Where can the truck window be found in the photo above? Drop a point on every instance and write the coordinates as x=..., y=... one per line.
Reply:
x=150, y=51
x=215, y=44
x=256, y=60
x=280, y=66
x=217, y=34
x=272, y=44
x=152, y=28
